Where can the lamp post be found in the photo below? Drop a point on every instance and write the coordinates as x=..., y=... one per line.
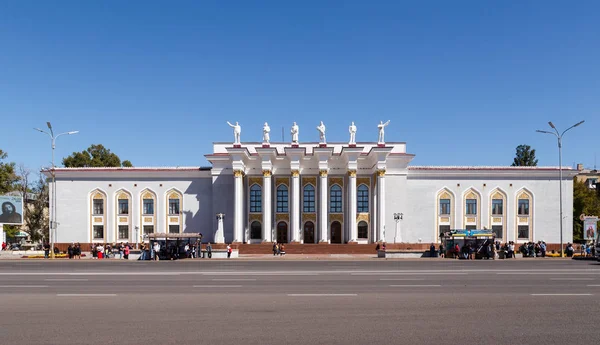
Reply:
x=559, y=137
x=398, y=217
x=53, y=223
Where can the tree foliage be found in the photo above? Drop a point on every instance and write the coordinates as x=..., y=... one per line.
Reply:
x=36, y=197
x=96, y=156
x=525, y=157
x=585, y=201
x=8, y=177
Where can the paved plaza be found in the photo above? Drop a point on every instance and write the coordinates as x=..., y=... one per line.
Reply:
x=298, y=301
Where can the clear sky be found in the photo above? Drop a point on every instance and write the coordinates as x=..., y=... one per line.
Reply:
x=463, y=82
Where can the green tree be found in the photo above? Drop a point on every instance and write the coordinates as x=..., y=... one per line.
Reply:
x=96, y=156
x=525, y=157
x=35, y=210
x=585, y=201
x=8, y=177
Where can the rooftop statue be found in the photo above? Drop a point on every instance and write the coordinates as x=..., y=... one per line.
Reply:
x=294, y=131
x=321, y=129
x=381, y=127
x=352, y=130
x=266, y=131
x=237, y=131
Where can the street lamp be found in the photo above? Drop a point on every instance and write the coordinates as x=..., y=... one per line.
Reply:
x=53, y=223
x=398, y=217
x=559, y=137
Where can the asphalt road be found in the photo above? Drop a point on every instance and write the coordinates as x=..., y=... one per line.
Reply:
x=299, y=302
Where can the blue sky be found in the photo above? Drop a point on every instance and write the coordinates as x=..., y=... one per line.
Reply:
x=463, y=82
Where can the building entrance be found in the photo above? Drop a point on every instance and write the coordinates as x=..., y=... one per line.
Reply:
x=309, y=232
x=336, y=232
x=282, y=232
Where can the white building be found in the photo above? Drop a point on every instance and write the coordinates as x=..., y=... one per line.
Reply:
x=311, y=193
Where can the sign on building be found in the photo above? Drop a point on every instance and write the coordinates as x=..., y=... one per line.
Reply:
x=11, y=212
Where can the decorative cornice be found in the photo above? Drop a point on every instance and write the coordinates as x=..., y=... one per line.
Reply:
x=238, y=173
x=363, y=180
x=255, y=180
x=336, y=180
x=323, y=173
x=352, y=173
x=266, y=173
x=309, y=180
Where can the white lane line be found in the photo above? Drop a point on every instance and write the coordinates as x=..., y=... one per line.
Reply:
x=86, y=295
x=388, y=279
x=217, y=286
x=409, y=274
x=545, y=273
x=322, y=294
x=415, y=285
x=66, y=280
x=561, y=294
x=593, y=285
x=571, y=278
x=23, y=286
x=234, y=280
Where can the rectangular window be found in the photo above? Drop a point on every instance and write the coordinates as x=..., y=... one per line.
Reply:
x=123, y=232
x=497, y=207
x=362, y=201
x=98, y=232
x=335, y=203
x=173, y=206
x=471, y=206
x=98, y=207
x=282, y=200
x=444, y=229
x=123, y=206
x=255, y=199
x=497, y=230
x=148, y=229
x=523, y=231
x=471, y=227
x=148, y=206
x=308, y=201
x=445, y=206
x=173, y=229
x=524, y=207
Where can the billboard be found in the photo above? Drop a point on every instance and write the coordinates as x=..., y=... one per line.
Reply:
x=11, y=210
x=590, y=228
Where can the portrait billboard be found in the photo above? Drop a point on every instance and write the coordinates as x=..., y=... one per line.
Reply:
x=589, y=228
x=11, y=210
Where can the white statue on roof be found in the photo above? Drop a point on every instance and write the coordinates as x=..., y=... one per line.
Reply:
x=294, y=131
x=381, y=127
x=266, y=131
x=352, y=130
x=237, y=131
x=321, y=129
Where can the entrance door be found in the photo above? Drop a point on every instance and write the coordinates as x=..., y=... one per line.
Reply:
x=282, y=232
x=309, y=232
x=336, y=232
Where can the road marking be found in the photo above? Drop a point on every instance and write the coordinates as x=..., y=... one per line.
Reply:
x=322, y=294
x=387, y=279
x=415, y=285
x=571, y=278
x=66, y=280
x=593, y=285
x=561, y=294
x=23, y=286
x=546, y=273
x=86, y=295
x=235, y=280
x=218, y=286
x=408, y=273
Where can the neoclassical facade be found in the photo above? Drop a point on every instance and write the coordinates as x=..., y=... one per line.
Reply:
x=311, y=193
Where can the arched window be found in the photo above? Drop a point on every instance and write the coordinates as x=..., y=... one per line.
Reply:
x=362, y=198
x=98, y=215
x=335, y=199
x=282, y=199
x=363, y=230
x=255, y=230
x=255, y=199
x=309, y=199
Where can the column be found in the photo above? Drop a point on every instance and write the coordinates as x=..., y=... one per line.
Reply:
x=381, y=205
x=267, y=206
x=295, y=207
x=323, y=228
x=238, y=206
x=352, y=203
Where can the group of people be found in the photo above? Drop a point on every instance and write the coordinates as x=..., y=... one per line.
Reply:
x=533, y=250
x=278, y=249
x=74, y=251
x=587, y=249
x=100, y=251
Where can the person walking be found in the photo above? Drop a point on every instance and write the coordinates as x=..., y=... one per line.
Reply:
x=126, y=251
x=229, y=251
x=156, y=250
x=209, y=250
x=274, y=248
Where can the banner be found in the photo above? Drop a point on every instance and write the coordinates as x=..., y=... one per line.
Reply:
x=11, y=210
x=590, y=228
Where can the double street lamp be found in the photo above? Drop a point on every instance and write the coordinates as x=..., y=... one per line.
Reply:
x=559, y=137
x=53, y=222
x=398, y=217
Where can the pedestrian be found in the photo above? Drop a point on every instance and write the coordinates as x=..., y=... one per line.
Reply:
x=142, y=252
x=282, y=249
x=70, y=251
x=432, y=251
x=274, y=248
x=156, y=250
x=442, y=251
x=121, y=250
x=229, y=251
x=543, y=249
x=209, y=250
x=126, y=250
